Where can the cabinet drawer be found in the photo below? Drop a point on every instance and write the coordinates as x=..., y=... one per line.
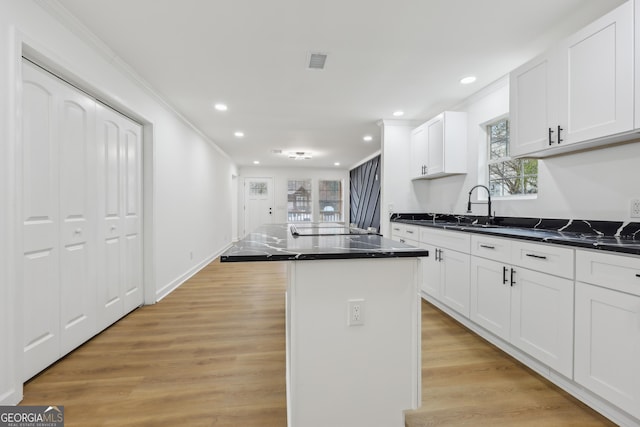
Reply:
x=619, y=272
x=493, y=248
x=545, y=258
x=455, y=240
x=407, y=231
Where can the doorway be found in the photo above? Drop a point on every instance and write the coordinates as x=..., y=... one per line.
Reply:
x=258, y=203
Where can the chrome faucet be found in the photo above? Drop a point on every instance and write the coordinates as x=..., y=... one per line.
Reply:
x=488, y=202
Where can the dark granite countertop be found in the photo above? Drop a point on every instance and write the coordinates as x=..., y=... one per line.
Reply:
x=613, y=236
x=275, y=242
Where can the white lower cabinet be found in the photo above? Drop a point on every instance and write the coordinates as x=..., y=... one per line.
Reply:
x=607, y=335
x=454, y=280
x=530, y=309
x=542, y=318
x=431, y=275
x=445, y=273
x=491, y=296
x=524, y=293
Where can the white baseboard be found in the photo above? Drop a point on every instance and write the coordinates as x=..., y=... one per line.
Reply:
x=595, y=402
x=175, y=283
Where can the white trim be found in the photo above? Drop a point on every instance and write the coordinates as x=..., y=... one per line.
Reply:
x=71, y=23
x=365, y=160
x=598, y=404
x=180, y=280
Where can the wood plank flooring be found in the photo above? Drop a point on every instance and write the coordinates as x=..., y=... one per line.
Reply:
x=212, y=353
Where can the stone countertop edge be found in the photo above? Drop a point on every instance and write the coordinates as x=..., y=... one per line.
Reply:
x=274, y=242
x=610, y=236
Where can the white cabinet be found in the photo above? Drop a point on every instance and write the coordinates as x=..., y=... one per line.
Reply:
x=446, y=271
x=439, y=146
x=405, y=233
x=533, y=310
x=607, y=336
x=579, y=94
x=419, y=148
x=542, y=318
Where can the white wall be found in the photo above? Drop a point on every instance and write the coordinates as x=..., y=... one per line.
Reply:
x=596, y=185
x=397, y=192
x=280, y=177
x=189, y=176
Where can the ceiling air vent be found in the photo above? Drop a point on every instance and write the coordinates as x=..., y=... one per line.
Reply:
x=316, y=61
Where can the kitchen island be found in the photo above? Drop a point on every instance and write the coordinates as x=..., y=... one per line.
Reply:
x=352, y=322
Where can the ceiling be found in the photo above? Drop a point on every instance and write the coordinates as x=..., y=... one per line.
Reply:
x=383, y=56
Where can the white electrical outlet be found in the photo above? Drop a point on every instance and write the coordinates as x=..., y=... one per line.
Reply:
x=355, y=312
x=635, y=208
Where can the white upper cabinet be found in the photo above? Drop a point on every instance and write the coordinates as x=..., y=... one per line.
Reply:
x=419, y=147
x=439, y=146
x=578, y=95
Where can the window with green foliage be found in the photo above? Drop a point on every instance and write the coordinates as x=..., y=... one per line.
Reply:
x=507, y=176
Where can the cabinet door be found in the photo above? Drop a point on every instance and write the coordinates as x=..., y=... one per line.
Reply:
x=608, y=345
x=596, y=68
x=431, y=272
x=455, y=280
x=490, y=296
x=542, y=318
x=435, y=154
x=530, y=105
x=419, y=151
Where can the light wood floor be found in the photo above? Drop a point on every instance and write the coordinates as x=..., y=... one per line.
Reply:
x=212, y=353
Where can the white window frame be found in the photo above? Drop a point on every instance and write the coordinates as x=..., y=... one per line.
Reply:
x=484, y=161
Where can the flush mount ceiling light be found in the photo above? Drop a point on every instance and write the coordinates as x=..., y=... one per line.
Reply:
x=467, y=80
x=316, y=60
x=398, y=113
x=367, y=138
x=238, y=134
x=220, y=106
x=299, y=155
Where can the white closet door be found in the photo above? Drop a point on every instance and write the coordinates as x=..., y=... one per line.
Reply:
x=77, y=217
x=39, y=208
x=80, y=203
x=132, y=171
x=119, y=237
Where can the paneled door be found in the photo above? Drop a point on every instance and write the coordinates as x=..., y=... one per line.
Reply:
x=58, y=220
x=119, y=215
x=39, y=216
x=80, y=198
x=258, y=203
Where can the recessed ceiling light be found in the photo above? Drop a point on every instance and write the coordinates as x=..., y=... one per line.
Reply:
x=238, y=134
x=367, y=138
x=398, y=113
x=256, y=162
x=467, y=80
x=220, y=107
x=336, y=164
